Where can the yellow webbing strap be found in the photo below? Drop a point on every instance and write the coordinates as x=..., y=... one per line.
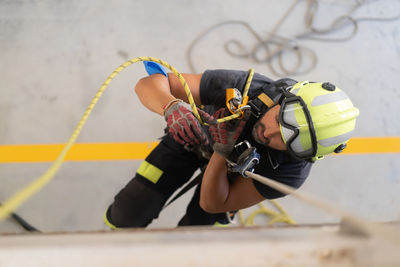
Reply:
x=266, y=100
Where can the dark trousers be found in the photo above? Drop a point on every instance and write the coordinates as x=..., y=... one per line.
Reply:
x=165, y=170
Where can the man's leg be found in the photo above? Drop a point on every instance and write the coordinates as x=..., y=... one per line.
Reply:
x=167, y=168
x=195, y=215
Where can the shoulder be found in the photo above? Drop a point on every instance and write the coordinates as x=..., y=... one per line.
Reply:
x=221, y=77
x=214, y=83
x=281, y=167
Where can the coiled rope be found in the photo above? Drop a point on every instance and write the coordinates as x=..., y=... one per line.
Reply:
x=279, y=216
x=274, y=46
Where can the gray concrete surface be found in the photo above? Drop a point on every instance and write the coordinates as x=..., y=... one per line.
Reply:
x=55, y=55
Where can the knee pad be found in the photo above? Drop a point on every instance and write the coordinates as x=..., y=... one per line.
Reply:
x=136, y=205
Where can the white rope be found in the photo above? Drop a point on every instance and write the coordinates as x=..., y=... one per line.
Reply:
x=351, y=222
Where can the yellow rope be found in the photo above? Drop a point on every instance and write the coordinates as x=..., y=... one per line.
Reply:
x=20, y=197
x=248, y=83
x=275, y=216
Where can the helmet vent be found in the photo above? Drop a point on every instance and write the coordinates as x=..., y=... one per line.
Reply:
x=340, y=148
x=328, y=86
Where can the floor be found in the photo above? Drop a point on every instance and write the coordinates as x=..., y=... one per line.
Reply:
x=56, y=54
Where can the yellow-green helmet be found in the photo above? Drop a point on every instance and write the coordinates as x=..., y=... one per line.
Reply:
x=316, y=119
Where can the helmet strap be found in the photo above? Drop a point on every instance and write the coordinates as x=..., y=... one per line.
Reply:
x=260, y=105
x=270, y=96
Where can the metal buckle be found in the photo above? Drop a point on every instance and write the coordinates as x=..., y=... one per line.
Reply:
x=248, y=158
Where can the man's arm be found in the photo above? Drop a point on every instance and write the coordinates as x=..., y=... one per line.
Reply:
x=156, y=91
x=218, y=195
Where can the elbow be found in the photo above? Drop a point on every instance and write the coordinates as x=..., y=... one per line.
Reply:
x=139, y=85
x=151, y=82
x=209, y=206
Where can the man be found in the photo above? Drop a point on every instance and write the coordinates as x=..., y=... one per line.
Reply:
x=290, y=124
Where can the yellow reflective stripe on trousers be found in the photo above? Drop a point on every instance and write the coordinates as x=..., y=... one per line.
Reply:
x=150, y=172
x=218, y=224
x=107, y=222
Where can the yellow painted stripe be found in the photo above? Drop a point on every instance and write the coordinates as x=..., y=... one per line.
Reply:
x=372, y=145
x=139, y=150
x=78, y=152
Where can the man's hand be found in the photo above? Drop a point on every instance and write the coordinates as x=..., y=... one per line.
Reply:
x=226, y=134
x=183, y=125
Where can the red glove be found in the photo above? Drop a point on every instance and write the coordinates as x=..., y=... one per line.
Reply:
x=184, y=126
x=226, y=134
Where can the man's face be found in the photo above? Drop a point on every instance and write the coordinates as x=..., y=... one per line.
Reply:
x=266, y=131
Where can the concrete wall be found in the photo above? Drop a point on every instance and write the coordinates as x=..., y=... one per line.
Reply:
x=55, y=55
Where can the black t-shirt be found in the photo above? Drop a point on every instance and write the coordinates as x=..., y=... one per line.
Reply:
x=274, y=164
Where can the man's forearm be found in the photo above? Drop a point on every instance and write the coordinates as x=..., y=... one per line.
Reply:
x=215, y=185
x=154, y=92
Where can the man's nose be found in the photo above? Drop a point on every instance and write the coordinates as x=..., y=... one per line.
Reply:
x=270, y=133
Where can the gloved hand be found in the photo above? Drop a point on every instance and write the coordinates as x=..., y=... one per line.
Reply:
x=184, y=126
x=226, y=134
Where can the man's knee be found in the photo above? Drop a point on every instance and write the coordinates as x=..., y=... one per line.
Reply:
x=135, y=206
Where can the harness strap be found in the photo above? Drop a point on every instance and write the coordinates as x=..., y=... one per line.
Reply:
x=195, y=181
x=269, y=96
x=260, y=104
